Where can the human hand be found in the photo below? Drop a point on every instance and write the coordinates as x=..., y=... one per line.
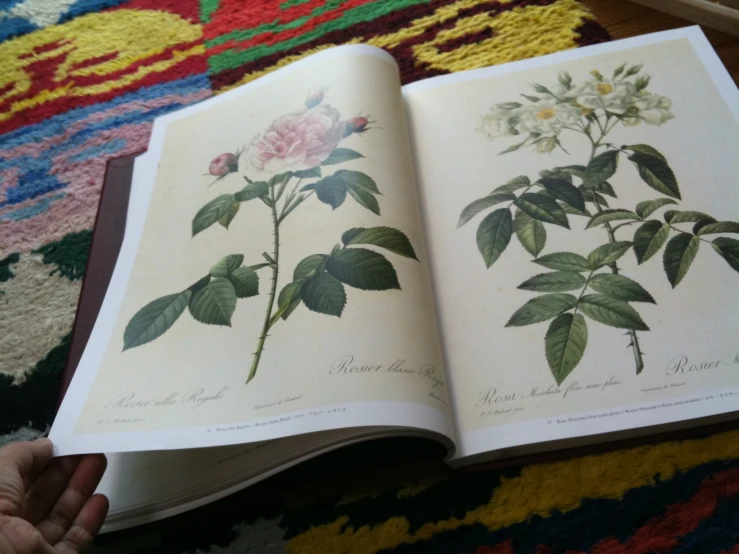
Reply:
x=47, y=506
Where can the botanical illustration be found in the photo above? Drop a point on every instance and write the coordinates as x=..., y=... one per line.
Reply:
x=296, y=150
x=559, y=196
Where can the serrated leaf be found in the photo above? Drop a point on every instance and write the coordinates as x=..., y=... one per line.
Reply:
x=646, y=149
x=620, y=287
x=543, y=208
x=564, y=191
x=226, y=265
x=679, y=255
x=154, y=319
x=574, y=170
x=251, y=191
x=481, y=204
x=357, y=179
x=245, y=281
x=572, y=211
x=307, y=266
x=363, y=269
x=719, y=227
x=228, y=217
x=331, y=190
x=308, y=173
x=211, y=212
x=729, y=249
x=215, y=303
x=530, y=232
x=514, y=184
x=289, y=298
x=606, y=188
x=564, y=344
x=590, y=195
x=564, y=261
x=611, y=311
x=674, y=217
x=322, y=293
x=494, y=234
x=365, y=199
x=340, y=155
x=655, y=172
x=648, y=207
x=557, y=281
x=611, y=215
x=541, y=308
x=649, y=238
x=385, y=237
x=607, y=254
x=601, y=168
x=199, y=284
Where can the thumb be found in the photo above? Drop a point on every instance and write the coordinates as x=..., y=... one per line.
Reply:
x=20, y=464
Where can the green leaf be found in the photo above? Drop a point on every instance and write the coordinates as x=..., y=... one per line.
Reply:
x=719, y=227
x=245, y=281
x=308, y=173
x=363, y=269
x=590, y=195
x=322, y=293
x=564, y=261
x=365, y=199
x=530, y=232
x=494, y=234
x=606, y=188
x=289, y=299
x=252, y=191
x=679, y=255
x=340, y=155
x=479, y=205
x=648, y=207
x=199, y=284
x=564, y=191
x=542, y=308
x=646, y=149
x=531, y=98
x=574, y=170
x=512, y=148
x=565, y=344
x=543, y=208
x=226, y=265
x=357, y=179
x=211, y=212
x=655, y=172
x=611, y=215
x=514, y=184
x=601, y=168
x=314, y=263
x=228, y=217
x=215, y=303
x=729, y=249
x=649, y=238
x=557, y=281
x=154, y=319
x=674, y=216
x=572, y=211
x=611, y=311
x=385, y=237
x=331, y=190
x=607, y=254
x=620, y=287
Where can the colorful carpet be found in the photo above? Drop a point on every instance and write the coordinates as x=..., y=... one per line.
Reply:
x=81, y=82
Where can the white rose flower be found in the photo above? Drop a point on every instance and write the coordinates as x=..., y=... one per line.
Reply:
x=546, y=117
x=653, y=108
x=606, y=94
x=497, y=123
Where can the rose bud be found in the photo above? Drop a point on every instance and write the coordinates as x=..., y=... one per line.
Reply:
x=223, y=165
x=356, y=125
x=546, y=145
x=314, y=99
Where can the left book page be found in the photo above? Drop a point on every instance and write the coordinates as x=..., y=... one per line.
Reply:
x=273, y=278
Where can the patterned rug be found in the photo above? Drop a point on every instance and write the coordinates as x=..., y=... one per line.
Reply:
x=81, y=82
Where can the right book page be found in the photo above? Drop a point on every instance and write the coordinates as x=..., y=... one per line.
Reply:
x=582, y=217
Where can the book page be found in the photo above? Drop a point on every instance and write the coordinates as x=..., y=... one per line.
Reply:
x=278, y=281
x=582, y=215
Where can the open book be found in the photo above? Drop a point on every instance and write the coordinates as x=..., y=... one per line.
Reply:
x=506, y=260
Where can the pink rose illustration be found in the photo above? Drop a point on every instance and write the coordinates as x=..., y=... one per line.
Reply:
x=356, y=125
x=223, y=165
x=298, y=140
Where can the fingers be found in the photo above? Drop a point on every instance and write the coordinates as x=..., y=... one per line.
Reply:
x=20, y=463
x=49, y=486
x=83, y=483
x=80, y=535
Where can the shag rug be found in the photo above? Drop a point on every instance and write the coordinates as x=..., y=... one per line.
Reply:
x=81, y=82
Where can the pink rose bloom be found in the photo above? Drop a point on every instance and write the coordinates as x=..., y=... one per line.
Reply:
x=223, y=165
x=298, y=140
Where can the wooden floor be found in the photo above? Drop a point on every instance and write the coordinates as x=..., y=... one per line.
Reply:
x=626, y=19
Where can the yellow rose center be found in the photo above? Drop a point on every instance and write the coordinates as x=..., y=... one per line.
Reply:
x=546, y=113
x=605, y=88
